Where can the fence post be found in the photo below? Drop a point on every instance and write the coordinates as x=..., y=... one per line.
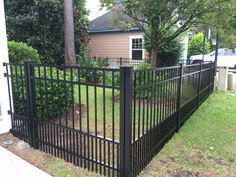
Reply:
x=199, y=84
x=223, y=78
x=180, y=88
x=125, y=120
x=120, y=61
x=31, y=105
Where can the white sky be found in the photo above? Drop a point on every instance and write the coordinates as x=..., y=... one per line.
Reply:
x=94, y=8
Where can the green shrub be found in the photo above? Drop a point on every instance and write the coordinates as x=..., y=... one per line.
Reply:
x=102, y=62
x=168, y=54
x=144, y=65
x=142, y=79
x=196, y=45
x=89, y=75
x=52, y=98
x=20, y=52
x=85, y=61
x=39, y=23
x=148, y=77
x=117, y=79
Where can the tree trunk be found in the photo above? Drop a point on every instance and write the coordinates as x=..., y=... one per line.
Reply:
x=154, y=48
x=154, y=56
x=69, y=35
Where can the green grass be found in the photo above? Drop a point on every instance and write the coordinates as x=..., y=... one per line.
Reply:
x=103, y=109
x=59, y=168
x=107, y=114
x=205, y=145
x=101, y=113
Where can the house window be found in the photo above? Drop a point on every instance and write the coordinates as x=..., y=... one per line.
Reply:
x=137, y=48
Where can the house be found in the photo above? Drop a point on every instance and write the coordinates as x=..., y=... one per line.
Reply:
x=5, y=119
x=108, y=39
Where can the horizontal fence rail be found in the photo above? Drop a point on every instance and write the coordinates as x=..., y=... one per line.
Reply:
x=117, y=62
x=110, y=121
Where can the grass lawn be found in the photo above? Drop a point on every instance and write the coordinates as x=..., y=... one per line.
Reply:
x=205, y=145
x=101, y=112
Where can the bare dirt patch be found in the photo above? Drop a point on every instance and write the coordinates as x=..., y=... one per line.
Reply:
x=183, y=173
x=72, y=117
x=167, y=160
x=168, y=102
x=219, y=161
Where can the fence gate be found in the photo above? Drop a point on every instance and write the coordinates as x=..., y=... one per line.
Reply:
x=70, y=112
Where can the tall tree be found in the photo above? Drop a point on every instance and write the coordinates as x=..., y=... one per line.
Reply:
x=81, y=26
x=222, y=20
x=162, y=16
x=39, y=23
x=225, y=22
x=69, y=34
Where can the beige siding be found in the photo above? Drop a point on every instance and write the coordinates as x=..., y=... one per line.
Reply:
x=112, y=45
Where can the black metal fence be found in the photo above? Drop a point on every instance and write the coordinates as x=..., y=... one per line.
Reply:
x=117, y=62
x=111, y=121
x=163, y=99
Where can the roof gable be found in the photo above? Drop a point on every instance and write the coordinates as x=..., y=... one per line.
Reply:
x=108, y=23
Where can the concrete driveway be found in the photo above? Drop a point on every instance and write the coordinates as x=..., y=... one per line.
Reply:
x=13, y=166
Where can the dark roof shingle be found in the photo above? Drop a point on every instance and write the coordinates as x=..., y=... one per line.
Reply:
x=108, y=23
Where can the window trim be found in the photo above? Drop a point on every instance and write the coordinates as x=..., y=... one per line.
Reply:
x=131, y=49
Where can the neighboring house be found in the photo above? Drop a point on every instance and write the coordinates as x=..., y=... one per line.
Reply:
x=107, y=39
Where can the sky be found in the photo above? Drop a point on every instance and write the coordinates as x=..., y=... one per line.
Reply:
x=94, y=8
